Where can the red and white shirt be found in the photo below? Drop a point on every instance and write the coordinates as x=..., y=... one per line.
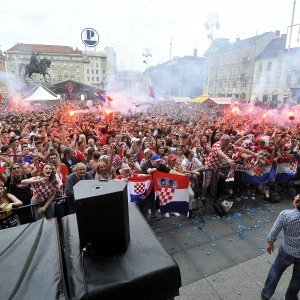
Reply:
x=42, y=191
x=213, y=160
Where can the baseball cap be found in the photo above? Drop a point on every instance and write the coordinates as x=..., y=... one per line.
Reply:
x=155, y=157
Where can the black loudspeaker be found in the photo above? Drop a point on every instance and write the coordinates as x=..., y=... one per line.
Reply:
x=102, y=216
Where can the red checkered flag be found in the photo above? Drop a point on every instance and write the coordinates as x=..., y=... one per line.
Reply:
x=139, y=187
x=165, y=195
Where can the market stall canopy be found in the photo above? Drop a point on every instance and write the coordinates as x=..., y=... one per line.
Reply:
x=199, y=99
x=40, y=94
x=222, y=100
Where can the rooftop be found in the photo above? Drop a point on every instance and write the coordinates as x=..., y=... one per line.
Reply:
x=20, y=47
x=277, y=48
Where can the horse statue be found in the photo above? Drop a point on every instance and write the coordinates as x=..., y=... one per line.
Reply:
x=40, y=68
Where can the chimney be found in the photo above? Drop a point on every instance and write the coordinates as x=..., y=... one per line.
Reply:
x=195, y=52
x=277, y=33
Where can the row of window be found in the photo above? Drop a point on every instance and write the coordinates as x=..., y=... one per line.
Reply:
x=267, y=80
x=243, y=56
x=93, y=79
x=96, y=71
x=271, y=66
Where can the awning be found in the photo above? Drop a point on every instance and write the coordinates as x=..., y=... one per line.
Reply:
x=199, y=99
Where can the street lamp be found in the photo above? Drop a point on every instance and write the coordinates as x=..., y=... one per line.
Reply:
x=211, y=23
x=147, y=54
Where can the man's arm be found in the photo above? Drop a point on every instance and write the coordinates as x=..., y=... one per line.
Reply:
x=69, y=186
x=276, y=228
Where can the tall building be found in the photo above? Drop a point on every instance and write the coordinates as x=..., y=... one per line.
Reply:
x=277, y=73
x=99, y=67
x=179, y=77
x=66, y=63
x=230, y=66
x=93, y=68
x=2, y=74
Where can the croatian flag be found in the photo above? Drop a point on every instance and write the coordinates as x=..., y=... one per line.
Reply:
x=172, y=191
x=286, y=168
x=138, y=188
x=258, y=175
x=100, y=97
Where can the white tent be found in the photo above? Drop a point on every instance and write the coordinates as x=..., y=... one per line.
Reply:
x=40, y=94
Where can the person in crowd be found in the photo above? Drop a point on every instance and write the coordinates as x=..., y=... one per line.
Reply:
x=80, y=173
x=152, y=165
x=288, y=254
x=14, y=186
x=214, y=160
x=69, y=159
x=7, y=203
x=44, y=189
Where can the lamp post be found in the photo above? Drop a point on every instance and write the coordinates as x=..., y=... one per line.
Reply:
x=147, y=54
x=211, y=23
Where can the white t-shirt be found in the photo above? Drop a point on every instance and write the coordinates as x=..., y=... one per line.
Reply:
x=191, y=165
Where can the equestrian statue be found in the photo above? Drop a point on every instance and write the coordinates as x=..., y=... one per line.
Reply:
x=35, y=67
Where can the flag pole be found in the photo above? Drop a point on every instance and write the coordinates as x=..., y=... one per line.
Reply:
x=292, y=24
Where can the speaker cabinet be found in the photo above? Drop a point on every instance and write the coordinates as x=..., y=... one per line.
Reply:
x=102, y=216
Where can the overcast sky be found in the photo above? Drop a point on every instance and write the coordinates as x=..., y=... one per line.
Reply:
x=133, y=25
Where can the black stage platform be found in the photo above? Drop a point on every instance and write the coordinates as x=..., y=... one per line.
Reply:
x=31, y=264
x=145, y=271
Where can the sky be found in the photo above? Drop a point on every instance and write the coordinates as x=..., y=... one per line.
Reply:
x=130, y=26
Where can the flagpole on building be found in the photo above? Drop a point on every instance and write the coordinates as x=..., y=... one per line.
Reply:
x=292, y=24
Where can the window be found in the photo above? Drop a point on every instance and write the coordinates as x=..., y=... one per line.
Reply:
x=97, y=78
x=66, y=76
x=92, y=78
x=96, y=71
x=277, y=80
x=269, y=67
x=60, y=77
x=244, y=83
x=279, y=66
x=103, y=72
x=92, y=71
x=88, y=79
x=220, y=84
x=234, y=84
x=87, y=71
x=288, y=79
x=268, y=80
x=260, y=66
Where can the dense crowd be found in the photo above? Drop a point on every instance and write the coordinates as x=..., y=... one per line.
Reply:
x=45, y=152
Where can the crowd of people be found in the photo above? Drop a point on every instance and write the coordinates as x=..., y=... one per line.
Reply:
x=45, y=152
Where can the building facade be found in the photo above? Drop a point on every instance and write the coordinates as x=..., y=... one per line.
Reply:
x=99, y=68
x=93, y=68
x=229, y=67
x=277, y=73
x=2, y=74
x=66, y=63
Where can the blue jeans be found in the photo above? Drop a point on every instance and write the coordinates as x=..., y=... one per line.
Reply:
x=49, y=213
x=282, y=261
